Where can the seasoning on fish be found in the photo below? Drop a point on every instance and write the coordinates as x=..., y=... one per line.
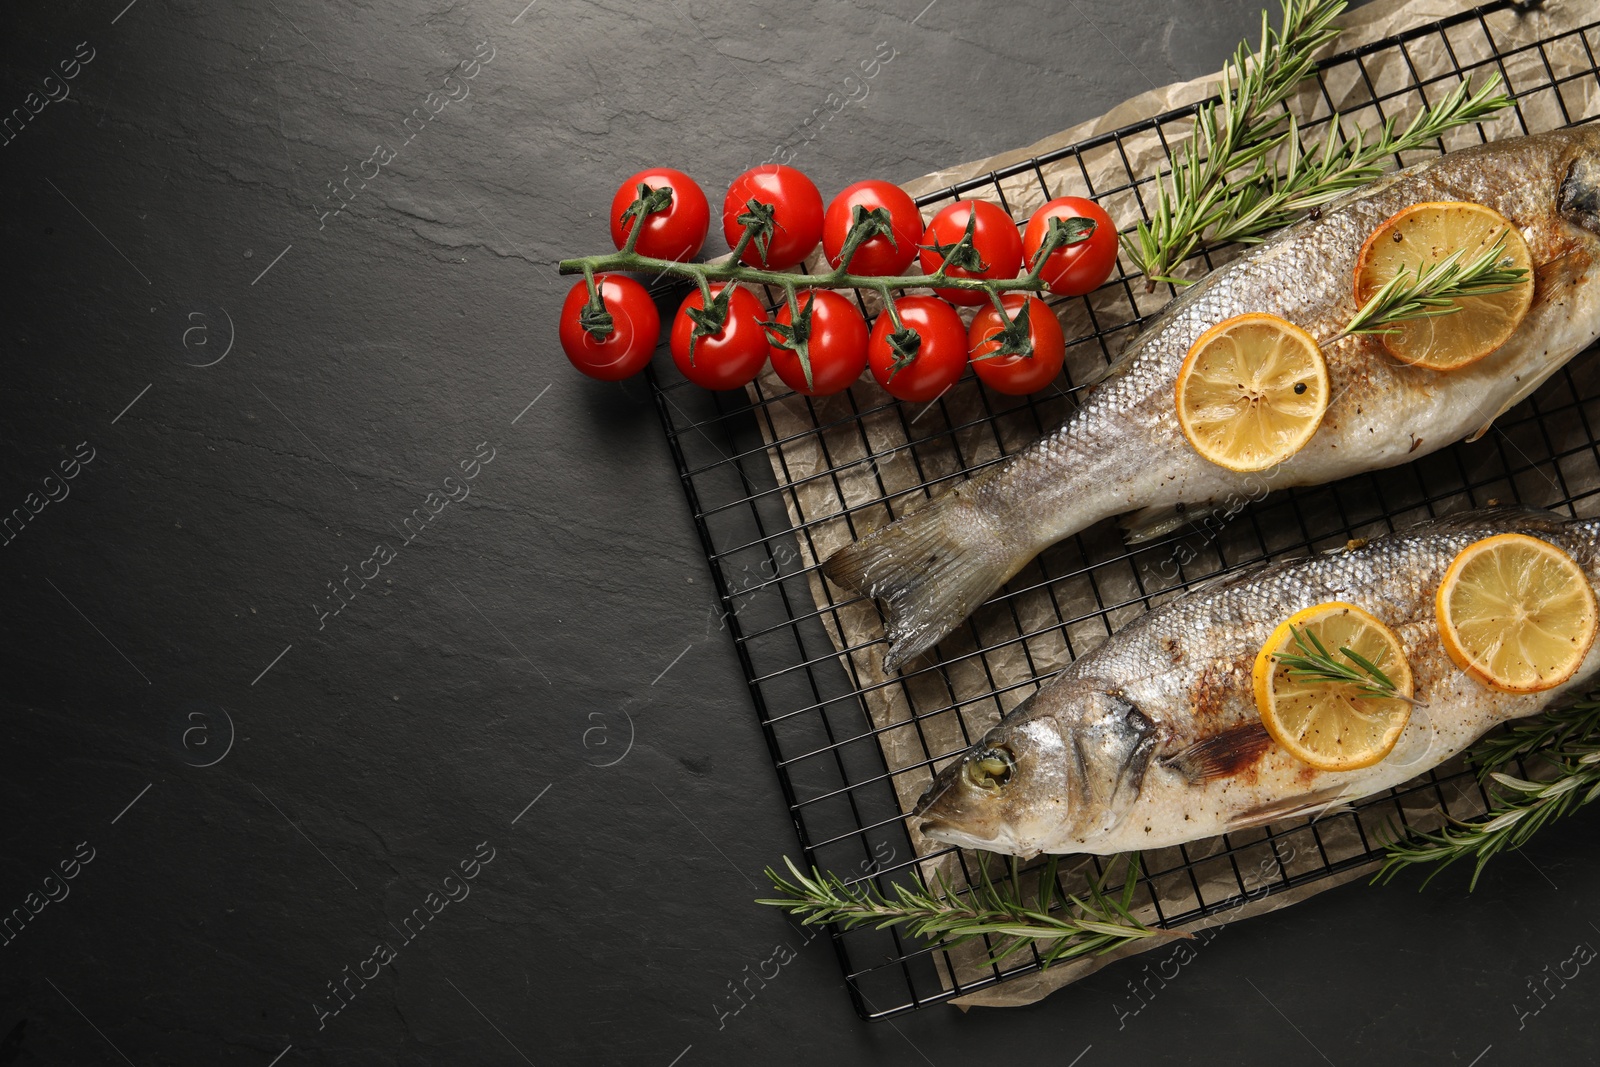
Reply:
x=1123, y=451
x=1154, y=739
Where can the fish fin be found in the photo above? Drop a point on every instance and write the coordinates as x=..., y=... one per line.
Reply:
x=1147, y=524
x=930, y=569
x=1565, y=270
x=1319, y=801
x=1221, y=755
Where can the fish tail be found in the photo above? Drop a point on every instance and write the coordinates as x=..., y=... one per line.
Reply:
x=929, y=569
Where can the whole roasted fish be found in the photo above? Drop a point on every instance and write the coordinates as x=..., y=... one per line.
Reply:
x=1123, y=449
x=1153, y=738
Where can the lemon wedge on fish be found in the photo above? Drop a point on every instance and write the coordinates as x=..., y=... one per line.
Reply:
x=1421, y=236
x=1252, y=391
x=1516, y=613
x=1333, y=725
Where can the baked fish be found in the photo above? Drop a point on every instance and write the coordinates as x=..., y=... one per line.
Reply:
x=1122, y=450
x=1153, y=739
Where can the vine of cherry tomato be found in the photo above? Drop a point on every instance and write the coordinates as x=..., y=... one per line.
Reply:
x=726, y=346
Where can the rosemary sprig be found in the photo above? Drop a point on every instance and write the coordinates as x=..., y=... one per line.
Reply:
x=1427, y=292
x=1315, y=663
x=1062, y=926
x=1268, y=199
x=1568, y=738
x=1236, y=131
x=1231, y=182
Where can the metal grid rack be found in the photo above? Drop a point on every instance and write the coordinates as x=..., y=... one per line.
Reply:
x=809, y=696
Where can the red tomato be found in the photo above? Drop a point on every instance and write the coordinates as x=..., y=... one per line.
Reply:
x=878, y=256
x=1078, y=268
x=941, y=355
x=836, y=344
x=729, y=358
x=994, y=236
x=678, y=231
x=636, y=326
x=796, y=214
x=1015, y=374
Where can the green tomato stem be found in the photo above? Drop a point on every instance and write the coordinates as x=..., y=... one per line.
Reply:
x=734, y=271
x=888, y=305
x=999, y=306
x=699, y=277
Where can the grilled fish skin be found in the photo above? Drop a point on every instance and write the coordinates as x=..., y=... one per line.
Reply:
x=1153, y=739
x=1123, y=450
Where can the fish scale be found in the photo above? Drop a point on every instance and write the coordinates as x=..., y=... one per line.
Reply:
x=1087, y=782
x=1122, y=451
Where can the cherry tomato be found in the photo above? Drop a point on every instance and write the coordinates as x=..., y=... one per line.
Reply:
x=941, y=355
x=994, y=236
x=836, y=344
x=729, y=358
x=796, y=214
x=676, y=232
x=1078, y=268
x=878, y=256
x=636, y=326
x=1014, y=374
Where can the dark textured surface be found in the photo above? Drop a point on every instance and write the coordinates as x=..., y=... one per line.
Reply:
x=502, y=655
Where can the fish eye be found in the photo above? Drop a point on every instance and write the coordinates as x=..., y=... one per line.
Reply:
x=992, y=768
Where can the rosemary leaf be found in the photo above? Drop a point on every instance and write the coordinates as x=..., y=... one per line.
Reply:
x=1062, y=930
x=1267, y=201
x=1435, y=290
x=1236, y=131
x=1244, y=173
x=1315, y=663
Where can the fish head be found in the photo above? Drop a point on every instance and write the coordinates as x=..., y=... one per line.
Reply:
x=1579, y=201
x=1048, y=778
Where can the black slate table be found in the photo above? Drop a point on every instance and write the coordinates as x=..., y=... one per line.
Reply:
x=275, y=794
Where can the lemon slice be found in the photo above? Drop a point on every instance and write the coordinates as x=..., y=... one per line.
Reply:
x=1516, y=613
x=1421, y=236
x=1333, y=726
x=1252, y=391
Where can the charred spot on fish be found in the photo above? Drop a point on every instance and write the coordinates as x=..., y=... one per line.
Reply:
x=1214, y=693
x=992, y=768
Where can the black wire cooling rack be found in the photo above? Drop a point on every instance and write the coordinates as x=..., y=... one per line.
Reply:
x=807, y=690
